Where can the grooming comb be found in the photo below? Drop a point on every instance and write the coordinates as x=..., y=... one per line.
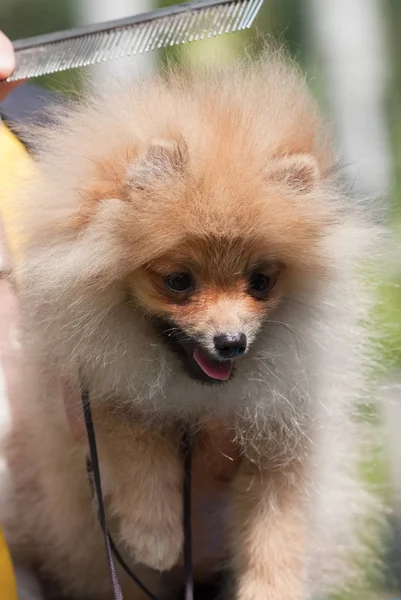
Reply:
x=179, y=24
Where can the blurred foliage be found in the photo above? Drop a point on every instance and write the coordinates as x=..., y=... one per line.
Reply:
x=394, y=105
x=23, y=18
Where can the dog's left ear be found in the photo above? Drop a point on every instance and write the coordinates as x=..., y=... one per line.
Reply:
x=299, y=171
x=163, y=159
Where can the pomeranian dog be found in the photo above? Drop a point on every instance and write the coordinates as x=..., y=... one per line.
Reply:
x=191, y=259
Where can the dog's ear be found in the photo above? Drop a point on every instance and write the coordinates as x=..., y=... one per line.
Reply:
x=164, y=159
x=170, y=154
x=299, y=171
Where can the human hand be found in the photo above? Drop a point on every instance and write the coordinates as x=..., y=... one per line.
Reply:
x=7, y=65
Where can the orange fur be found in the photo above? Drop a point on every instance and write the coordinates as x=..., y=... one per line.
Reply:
x=269, y=537
x=217, y=175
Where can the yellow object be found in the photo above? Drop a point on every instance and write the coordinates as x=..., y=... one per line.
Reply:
x=14, y=161
x=8, y=587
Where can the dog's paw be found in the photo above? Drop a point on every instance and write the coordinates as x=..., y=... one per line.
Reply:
x=159, y=547
x=149, y=513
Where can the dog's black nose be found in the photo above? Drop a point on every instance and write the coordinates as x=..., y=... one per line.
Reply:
x=230, y=345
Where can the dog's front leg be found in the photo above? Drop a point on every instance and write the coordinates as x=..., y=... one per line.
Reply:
x=267, y=534
x=142, y=480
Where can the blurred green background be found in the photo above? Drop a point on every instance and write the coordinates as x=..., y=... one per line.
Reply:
x=350, y=50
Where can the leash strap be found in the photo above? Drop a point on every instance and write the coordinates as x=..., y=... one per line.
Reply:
x=114, y=549
x=117, y=594
x=188, y=562
x=93, y=470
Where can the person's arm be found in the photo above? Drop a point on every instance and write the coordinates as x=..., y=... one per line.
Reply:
x=7, y=65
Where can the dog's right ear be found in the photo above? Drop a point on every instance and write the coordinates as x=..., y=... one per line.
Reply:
x=168, y=154
x=164, y=159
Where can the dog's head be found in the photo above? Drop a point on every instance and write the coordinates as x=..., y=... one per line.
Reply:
x=236, y=238
x=200, y=205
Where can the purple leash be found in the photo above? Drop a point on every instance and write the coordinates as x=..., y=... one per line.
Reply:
x=111, y=549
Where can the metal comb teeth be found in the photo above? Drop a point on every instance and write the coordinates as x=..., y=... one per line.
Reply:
x=171, y=26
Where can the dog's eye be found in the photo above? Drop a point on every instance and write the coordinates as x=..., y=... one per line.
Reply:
x=260, y=284
x=179, y=283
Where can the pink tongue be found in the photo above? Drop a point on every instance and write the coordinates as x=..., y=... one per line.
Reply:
x=213, y=368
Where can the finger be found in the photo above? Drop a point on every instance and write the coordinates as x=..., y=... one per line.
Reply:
x=7, y=58
x=7, y=65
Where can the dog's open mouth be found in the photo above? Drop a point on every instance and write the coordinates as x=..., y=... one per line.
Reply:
x=213, y=368
x=197, y=362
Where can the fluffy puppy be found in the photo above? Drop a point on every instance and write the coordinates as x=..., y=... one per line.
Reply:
x=190, y=254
